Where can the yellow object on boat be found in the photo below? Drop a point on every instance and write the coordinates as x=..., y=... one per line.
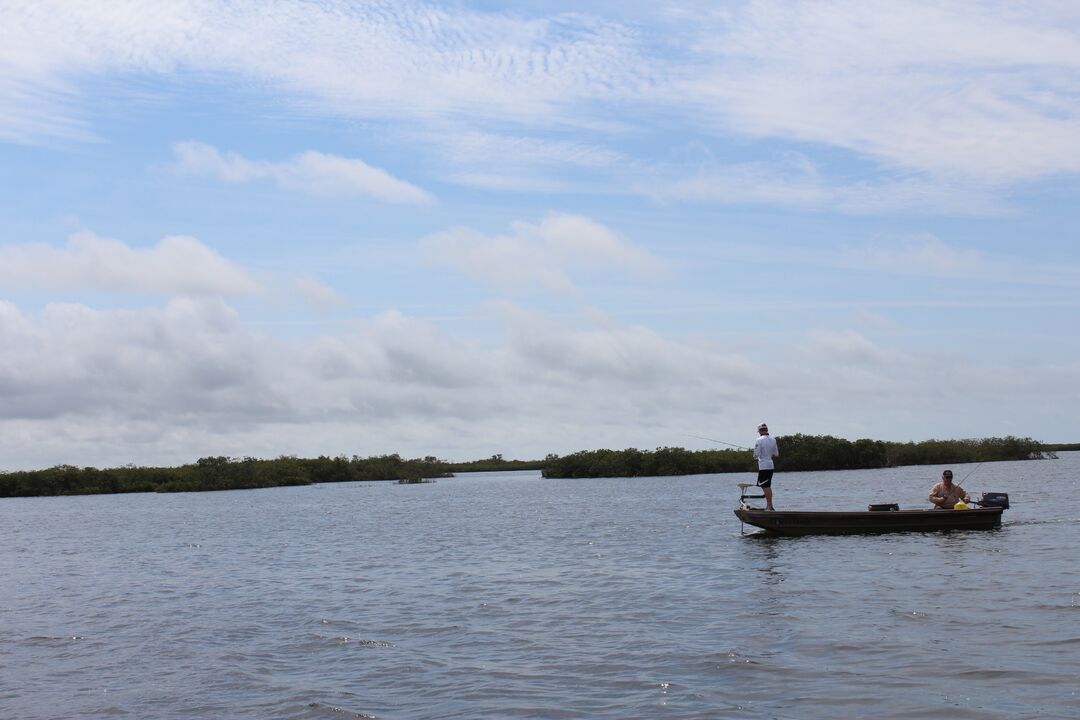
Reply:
x=960, y=505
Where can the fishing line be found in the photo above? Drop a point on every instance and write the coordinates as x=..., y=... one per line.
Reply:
x=972, y=472
x=720, y=442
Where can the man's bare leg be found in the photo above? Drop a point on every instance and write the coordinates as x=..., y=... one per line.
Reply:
x=768, y=498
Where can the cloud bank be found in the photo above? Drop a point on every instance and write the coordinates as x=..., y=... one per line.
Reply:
x=185, y=376
x=167, y=384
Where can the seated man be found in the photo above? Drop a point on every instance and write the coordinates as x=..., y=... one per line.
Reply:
x=944, y=495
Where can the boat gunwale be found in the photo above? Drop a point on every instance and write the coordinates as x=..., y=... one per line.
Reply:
x=795, y=523
x=869, y=513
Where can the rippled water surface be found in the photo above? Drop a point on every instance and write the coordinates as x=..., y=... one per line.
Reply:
x=506, y=595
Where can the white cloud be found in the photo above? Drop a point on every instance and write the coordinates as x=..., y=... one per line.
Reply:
x=846, y=346
x=524, y=163
x=470, y=146
x=378, y=59
x=176, y=265
x=529, y=180
x=796, y=182
x=874, y=321
x=311, y=172
x=544, y=254
x=315, y=292
x=969, y=90
x=928, y=255
x=599, y=350
x=923, y=255
x=31, y=110
x=968, y=96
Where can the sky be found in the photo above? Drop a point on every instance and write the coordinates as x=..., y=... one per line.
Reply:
x=269, y=227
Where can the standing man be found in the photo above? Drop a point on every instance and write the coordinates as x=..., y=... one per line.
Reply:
x=765, y=450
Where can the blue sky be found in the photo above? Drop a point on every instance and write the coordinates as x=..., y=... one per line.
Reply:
x=460, y=229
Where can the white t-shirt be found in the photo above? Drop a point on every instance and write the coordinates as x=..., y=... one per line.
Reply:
x=765, y=450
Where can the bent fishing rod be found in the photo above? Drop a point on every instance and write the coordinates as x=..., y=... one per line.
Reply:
x=718, y=442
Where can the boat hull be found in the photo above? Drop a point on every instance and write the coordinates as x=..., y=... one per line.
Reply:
x=811, y=522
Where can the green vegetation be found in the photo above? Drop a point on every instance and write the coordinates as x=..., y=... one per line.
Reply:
x=1061, y=447
x=797, y=452
x=495, y=462
x=644, y=463
x=215, y=473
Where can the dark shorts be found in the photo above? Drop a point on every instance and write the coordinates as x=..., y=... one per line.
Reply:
x=764, y=478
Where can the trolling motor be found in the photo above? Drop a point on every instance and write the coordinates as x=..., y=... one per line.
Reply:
x=743, y=497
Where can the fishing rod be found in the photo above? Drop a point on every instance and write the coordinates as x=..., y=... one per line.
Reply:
x=719, y=442
x=972, y=472
x=961, y=484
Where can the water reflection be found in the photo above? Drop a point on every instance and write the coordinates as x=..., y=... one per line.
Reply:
x=763, y=555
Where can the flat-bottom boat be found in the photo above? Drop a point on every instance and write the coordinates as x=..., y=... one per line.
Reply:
x=877, y=519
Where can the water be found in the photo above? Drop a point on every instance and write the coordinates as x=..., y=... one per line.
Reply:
x=509, y=596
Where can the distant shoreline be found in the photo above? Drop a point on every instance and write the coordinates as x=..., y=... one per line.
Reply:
x=798, y=452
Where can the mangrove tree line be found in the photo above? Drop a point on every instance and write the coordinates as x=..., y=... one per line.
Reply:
x=216, y=473
x=797, y=452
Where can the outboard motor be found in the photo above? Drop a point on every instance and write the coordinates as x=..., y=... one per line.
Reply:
x=993, y=499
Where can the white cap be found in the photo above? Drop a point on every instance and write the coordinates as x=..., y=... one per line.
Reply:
x=762, y=426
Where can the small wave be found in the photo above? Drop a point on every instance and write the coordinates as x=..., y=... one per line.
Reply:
x=346, y=640
x=734, y=657
x=341, y=711
x=1021, y=678
x=1054, y=643
x=1046, y=521
x=345, y=627
x=986, y=674
x=374, y=643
